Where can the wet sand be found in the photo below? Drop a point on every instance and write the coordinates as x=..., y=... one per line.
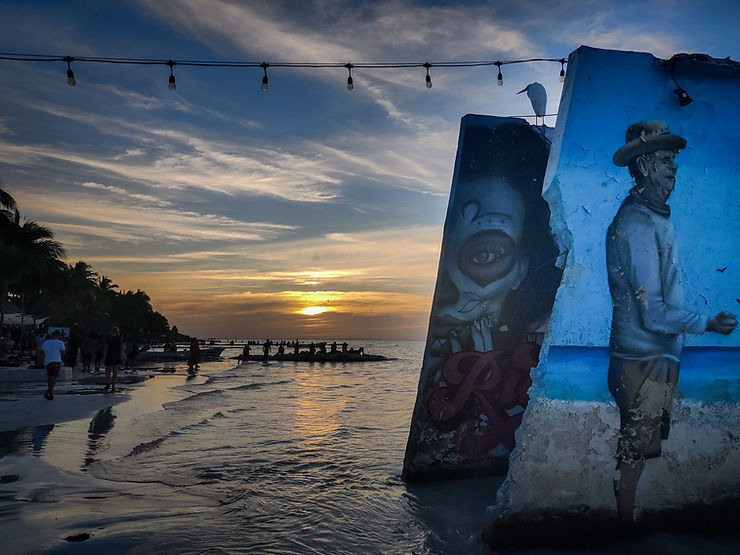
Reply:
x=48, y=498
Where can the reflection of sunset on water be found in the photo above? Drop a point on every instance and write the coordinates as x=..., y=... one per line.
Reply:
x=317, y=409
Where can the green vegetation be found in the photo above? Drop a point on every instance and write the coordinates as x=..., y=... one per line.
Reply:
x=35, y=279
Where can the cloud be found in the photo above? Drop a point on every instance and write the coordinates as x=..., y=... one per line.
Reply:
x=97, y=216
x=317, y=32
x=350, y=32
x=353, y=315
x=376, y=284
x=134, y=99
x=137, y=197
x=4, y=129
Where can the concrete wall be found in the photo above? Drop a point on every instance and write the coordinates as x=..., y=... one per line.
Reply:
x=565, y=452
x=495, y=287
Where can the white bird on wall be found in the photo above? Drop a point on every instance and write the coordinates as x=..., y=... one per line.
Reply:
x=538, y=97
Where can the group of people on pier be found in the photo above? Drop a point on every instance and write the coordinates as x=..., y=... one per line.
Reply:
x=312, y=348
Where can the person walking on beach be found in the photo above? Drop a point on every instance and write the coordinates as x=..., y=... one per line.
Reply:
x=88, y=351
x=649, y=316
x=194, y=358
x=112, y=358
x=54, y=350
x=245, y=352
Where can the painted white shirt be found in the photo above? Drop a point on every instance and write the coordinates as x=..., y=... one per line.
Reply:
x=648, y=317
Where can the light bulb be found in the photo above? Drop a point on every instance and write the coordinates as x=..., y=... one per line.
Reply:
x=562, y=75
x=500, y=78
x=172, y=84
x=264, y=66
x=428, y=78
x=71, y=78
x=350, y=81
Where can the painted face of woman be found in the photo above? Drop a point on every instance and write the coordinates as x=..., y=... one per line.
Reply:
x=483, y=257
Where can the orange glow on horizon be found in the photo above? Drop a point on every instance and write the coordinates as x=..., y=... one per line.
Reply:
x=313, y=310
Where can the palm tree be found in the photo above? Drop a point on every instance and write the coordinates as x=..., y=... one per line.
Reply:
x=28, y=253
x=80, y=288
x=7, y=203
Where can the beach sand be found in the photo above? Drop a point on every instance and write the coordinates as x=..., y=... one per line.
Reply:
x=45, y=485
x=22, y=403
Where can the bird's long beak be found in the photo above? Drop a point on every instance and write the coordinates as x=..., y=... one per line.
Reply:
x=523, y=90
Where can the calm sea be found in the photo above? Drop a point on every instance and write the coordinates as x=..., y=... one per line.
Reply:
x=273, y=457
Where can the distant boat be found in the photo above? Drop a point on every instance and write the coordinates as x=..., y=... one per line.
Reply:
x=305, y=356
x=149, y=356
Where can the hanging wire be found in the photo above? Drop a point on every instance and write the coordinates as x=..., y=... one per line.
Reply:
x=22, y=57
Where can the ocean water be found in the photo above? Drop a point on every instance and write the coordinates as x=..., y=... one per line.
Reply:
x=263, y=457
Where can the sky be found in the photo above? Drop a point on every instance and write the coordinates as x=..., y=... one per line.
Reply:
x=307, y=211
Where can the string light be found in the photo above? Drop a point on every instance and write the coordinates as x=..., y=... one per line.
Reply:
x=350, y=81
x=562, y=70
x=172, y=84
x=71, y=81
x=264, y=66
x=683, y=97
x=428, y=77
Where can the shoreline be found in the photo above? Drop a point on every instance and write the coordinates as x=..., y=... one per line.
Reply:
x=80, y=396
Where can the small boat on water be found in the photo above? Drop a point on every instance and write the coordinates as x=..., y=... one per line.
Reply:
x=149, y=356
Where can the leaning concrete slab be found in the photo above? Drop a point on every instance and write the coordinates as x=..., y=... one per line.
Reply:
x=562, y=470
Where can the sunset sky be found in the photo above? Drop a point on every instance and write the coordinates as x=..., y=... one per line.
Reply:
x=308, y=211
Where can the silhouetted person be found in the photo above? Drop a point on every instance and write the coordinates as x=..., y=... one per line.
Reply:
x=112, y=358
x=54, y=349
x=194, y=357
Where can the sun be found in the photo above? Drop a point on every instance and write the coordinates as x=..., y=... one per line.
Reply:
x=313, y=310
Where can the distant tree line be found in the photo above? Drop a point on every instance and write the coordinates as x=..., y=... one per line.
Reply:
x=35, y=279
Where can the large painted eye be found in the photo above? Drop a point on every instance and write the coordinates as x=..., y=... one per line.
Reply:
x=487, y=256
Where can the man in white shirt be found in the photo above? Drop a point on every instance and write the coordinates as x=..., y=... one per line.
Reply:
x=53, y=349
x=649, y=319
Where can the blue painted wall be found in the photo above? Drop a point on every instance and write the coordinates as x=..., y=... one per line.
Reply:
x=585, y=189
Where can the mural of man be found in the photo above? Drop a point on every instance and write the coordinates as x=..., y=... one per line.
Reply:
x=649, y=319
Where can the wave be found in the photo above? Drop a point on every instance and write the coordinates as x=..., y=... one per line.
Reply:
x=257, y=385
x=148, y=446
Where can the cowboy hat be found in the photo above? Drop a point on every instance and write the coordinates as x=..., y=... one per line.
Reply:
x=644, y=137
